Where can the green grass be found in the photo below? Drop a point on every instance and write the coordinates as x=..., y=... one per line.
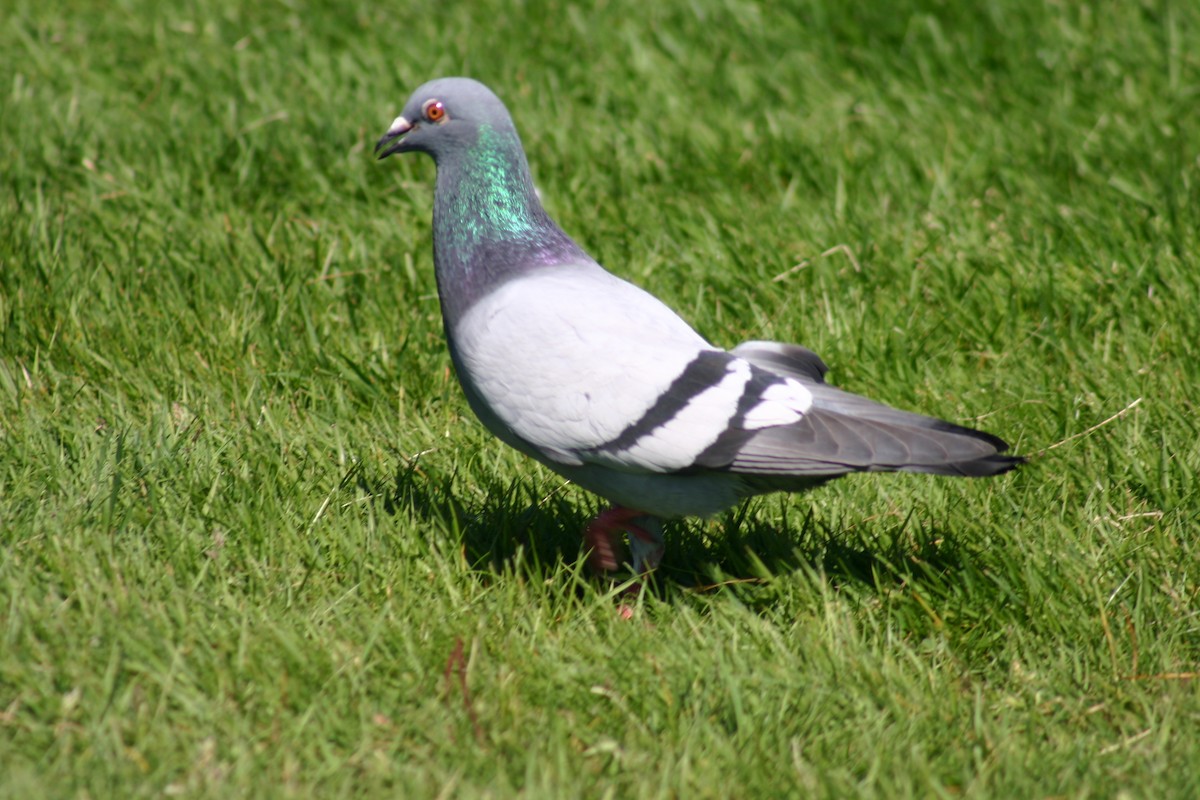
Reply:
x=248, y=521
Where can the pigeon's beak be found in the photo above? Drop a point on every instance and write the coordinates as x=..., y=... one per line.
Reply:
x=398, y=128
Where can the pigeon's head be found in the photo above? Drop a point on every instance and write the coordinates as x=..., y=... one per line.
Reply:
x=443, y=115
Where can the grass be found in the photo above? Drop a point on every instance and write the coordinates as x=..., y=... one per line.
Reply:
x=254, y=544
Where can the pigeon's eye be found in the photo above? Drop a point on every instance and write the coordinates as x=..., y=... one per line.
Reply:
x=434, y=111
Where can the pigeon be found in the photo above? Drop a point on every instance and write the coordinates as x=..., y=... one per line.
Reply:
x=606, y=385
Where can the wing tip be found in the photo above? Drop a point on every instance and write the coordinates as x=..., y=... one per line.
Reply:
x=962, y=430
x=987, y=466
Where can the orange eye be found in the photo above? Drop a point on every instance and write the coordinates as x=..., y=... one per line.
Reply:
x=434, y=110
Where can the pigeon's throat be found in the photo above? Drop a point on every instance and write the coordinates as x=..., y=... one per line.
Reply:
x=488, y=225
x=486, y=195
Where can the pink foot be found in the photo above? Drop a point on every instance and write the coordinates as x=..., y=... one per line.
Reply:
x=628, y=597
x=602, y=534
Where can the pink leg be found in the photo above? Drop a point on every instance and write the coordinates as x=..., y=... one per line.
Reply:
x=602, y=536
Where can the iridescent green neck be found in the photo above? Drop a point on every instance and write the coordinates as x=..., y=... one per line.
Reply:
x=488, y=224
x=486, y=193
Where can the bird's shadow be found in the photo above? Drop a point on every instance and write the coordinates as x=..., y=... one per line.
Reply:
x=510, y=529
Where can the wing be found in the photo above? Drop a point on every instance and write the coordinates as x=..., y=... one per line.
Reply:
x=845, y=432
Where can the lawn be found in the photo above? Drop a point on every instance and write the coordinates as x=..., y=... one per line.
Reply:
x=253, y=542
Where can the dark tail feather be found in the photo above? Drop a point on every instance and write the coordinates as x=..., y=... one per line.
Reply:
x=978, y=468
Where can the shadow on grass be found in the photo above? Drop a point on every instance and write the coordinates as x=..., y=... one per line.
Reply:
x=509, y=529
x=514, y=530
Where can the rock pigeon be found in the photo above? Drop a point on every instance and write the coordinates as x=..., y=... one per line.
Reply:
x=607, y=386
